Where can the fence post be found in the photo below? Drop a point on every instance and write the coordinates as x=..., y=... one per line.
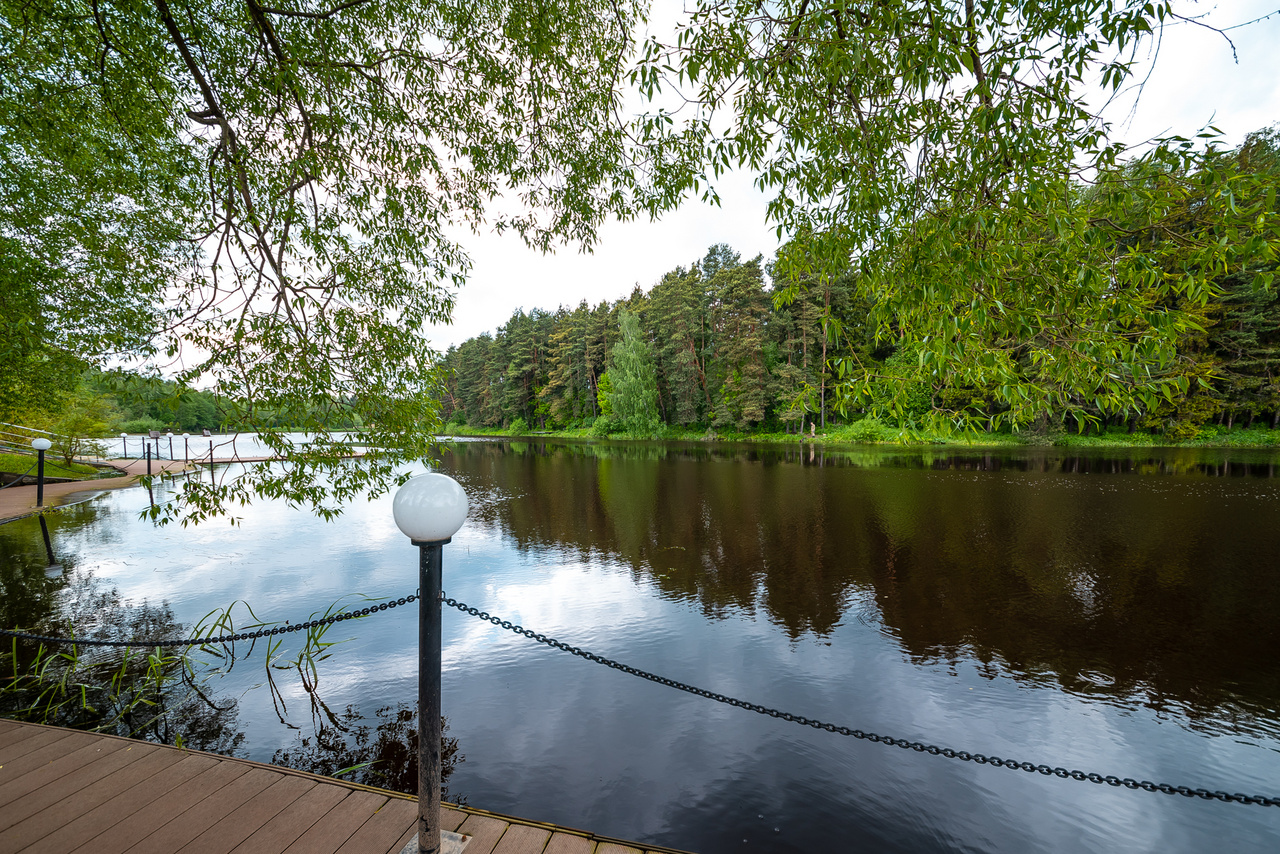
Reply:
x=41, y=445
x=429, y=509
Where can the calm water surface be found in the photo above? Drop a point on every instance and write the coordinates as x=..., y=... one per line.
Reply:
x=1116, y=612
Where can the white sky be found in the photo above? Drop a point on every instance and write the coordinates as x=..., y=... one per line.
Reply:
x=1196, y=82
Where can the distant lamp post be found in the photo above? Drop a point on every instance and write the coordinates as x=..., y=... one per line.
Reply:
x=186, y=448
x=124, y=443
x=41, y=445
x=170, y=435
x=429, y=510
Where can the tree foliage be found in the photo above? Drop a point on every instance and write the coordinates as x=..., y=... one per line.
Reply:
x=633, y=397
x=941, y=151
x=261, y=194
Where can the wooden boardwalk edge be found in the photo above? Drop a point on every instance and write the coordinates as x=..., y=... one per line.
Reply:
x=277, y=808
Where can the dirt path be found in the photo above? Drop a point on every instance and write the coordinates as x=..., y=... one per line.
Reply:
x=19, y=501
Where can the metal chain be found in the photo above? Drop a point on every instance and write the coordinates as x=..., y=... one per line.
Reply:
x=202, y=641
x=919, y=747
x=20, y=477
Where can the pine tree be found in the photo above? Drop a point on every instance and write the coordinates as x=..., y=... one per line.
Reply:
x=677, y=308
x=739, y=314
x=634, y=396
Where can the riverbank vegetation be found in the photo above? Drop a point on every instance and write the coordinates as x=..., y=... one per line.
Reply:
x=969, y=245
x=733, y=348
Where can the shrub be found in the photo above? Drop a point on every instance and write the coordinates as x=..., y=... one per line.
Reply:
x=866, y=432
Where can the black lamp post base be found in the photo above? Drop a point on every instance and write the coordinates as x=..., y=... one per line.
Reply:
x=450, y=843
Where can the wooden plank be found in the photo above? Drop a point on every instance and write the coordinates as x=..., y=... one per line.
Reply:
x=522, y=839
x=65, y=791
x=66, y=780
x=405, y=839
x=114, y=774
x=336, y=826
x=485, y=833
x=124, y=802
x=208, y=790
x=12, y=732
x=52, y=764
x=240, y=823
x=293, y=821
x=383, y=829
x=450, y=818
x=208, y=810
x=567, y=843
x=34, y=738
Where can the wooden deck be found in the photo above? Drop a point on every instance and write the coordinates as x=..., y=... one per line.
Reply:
x=63, y=790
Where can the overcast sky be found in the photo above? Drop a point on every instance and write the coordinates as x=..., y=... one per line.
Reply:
x=1196, y=81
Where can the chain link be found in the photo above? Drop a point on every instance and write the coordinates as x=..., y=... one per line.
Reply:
x=18, y=480
x=203, y=641
x=905, y=744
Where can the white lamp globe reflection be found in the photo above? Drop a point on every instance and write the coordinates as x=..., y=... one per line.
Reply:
x=41, y=444
x=430, y=508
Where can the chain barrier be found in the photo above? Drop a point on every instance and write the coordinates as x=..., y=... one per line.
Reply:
x=905, y=744
x=20, y=477
x=204, y=641
x=917, y=746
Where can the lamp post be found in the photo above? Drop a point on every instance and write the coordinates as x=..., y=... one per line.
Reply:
x=41, y=445
x=429, y=510
x=170, y=435
x=124, y=443
x=186, y=448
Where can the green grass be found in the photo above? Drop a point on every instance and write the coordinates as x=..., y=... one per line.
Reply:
x=861, y=433
x=19, y=463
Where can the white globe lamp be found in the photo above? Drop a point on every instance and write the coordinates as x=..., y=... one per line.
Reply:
x=430, y=508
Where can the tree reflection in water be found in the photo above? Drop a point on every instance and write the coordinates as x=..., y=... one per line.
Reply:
x=160, y=695
x=1148, y=582
x=151, y=694
x=385, y=756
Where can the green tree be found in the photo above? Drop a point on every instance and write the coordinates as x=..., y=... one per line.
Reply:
x=36, y=373
x=739, y=313
x=569, y=392
x=268, y=190
x=633, y=397
x=677, y=320
x=936, y=150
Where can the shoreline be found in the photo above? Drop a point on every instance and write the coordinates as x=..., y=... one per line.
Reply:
x=1268, y=440
x=19, y=502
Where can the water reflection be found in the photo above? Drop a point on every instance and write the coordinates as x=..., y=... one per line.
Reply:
x=147, y=694
x=1140, y=588
x=383, y=753
x=1104, y=612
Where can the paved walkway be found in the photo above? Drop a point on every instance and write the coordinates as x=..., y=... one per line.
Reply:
x=62, y=791
x=19, y=501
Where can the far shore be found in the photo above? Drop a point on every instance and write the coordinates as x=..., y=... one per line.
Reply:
x=848, y=437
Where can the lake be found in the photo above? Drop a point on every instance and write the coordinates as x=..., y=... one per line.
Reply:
x=1114, y=612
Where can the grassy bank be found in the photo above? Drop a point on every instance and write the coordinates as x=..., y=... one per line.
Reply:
x=869, y=432
x=19, y=463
